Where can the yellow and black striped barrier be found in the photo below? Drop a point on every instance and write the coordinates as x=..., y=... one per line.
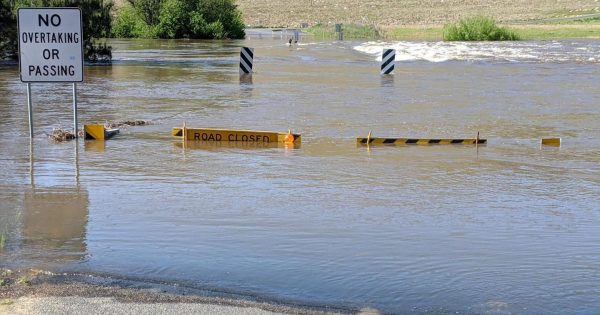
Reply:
x=401, y=141
x=217, y=135
x=417, y=141
x=98, y=132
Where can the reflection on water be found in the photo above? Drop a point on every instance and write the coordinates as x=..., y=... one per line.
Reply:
x=54, y=222
x=95, y=146
x=506, y=227
x=50, y=221
x=238, y=145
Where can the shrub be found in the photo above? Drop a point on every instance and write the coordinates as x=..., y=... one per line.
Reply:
x=223, y=18
x=127, y=24
x=147, y=10
x=8, y=30
x=174, y=19
x=197, y=23
x=181, y=19
x=96, y=23
x=478, y=28
x=97, y=18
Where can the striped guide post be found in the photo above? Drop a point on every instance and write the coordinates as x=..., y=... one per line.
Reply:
x=246, y=57
x=387, y=61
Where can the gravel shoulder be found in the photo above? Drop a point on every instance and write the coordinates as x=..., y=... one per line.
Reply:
x=42, y=292
x=91, y=306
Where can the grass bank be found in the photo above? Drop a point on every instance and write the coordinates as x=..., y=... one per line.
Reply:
x=435, y=32
x=558, y=31
x=350, y=31
x=371, y=32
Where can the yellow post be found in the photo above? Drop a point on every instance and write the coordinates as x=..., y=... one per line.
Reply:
x=184, y=134
x=551, y=141
x=289, y=138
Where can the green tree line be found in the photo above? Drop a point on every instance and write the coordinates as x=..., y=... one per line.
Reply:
x=96, y=25
x=208, y=19
x=205, y=19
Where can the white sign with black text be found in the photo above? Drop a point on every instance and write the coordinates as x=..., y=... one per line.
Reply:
x=50, y=45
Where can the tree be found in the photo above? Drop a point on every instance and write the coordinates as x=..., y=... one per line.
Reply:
x=148, y=10
x=223, y=12
x=97, y=19
x=96, y=25
x=8, y=30
x=180, y=19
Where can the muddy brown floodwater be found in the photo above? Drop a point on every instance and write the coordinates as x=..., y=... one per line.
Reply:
x=506, y=227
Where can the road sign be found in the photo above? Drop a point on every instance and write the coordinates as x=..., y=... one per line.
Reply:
x=50, y=45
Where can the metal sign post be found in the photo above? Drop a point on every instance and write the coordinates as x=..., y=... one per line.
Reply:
x=29, y=110
x=50, y=50
x=75, y=109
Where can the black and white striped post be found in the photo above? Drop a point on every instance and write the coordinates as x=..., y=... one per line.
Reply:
x=387, y=61
x=246, y=57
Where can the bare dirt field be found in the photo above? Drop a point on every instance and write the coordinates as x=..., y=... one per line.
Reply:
x=279, y=13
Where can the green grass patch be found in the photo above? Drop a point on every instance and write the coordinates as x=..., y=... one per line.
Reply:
x=477, y=28
x=23, y=280
x=472, y=29
x=427, y=33
x=572, y=12
x=550, y=32
x=591, y=20
x=351, y=31
x=6, y=302
x=575, y=21
x=571, y=17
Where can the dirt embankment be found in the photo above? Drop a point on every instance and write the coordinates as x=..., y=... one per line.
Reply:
x=270, y=13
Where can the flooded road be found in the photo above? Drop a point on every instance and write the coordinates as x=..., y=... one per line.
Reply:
x=509, y=227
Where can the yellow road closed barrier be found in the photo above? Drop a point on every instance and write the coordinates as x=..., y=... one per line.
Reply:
x=209, y=134
x=98, y=132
